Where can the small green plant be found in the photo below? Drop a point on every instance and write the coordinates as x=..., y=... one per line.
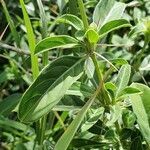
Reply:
x=104, y=108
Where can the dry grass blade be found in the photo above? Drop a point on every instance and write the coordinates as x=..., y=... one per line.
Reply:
x=1, y=36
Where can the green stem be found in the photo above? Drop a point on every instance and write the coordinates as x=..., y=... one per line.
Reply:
x=60, y=120
x=42, y=130
x=90, y=49
x=89, y=46
x=104, y=93
x=85, y=22
x=83, y=14
x=99, y=74
x=118, y=131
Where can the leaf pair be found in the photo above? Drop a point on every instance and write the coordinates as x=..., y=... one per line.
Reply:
x=107, y=16
x=106, y=11
x=61, y=41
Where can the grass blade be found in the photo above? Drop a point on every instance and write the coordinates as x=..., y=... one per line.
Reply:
x=141, y=108
x=11, y=24
x=31, y=40
x=68, y=135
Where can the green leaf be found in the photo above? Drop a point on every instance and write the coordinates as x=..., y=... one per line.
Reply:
x=31, y=40
x=123, y=78
x=110, y=135
x=30, y=34
x=63, y=117
x=128, y=118
x=80, y=35
x=80, y=89
x=129, y=90
x=3, y=77
x=68, y=135
x=142, y=27
x=113, y=25
x=60, y=41
x=93, y=117
x=137, y=144
x=115, y=112
x=50, y=86
x=99, y=128
x=107, y=10
x=137, y=29
x=66, y=108
x=71, y=20
x=92, y=36
x=89, y=68
x=8, y=104
x=88, y=144
x=69, y=100
x=119, y=61
x=125, y=133
x=11, y=24
x=73, y=7
x=110, y=86
x=141, y=108
x=4, y=123
x=61, y=5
